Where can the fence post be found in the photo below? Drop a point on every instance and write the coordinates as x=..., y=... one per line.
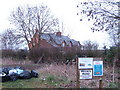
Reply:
x=100, y=84
x=77, y=75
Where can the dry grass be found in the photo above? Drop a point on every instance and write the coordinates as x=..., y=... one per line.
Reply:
x=68, y=72
x=10, y=61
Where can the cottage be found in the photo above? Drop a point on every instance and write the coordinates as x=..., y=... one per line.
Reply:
x=50, y=40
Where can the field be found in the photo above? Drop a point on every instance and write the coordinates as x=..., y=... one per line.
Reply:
x=56, y=76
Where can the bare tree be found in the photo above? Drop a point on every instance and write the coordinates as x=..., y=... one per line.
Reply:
x=115, y=37
x=9, y=40
x=90, y=48
x=28, y=19
x=89, y=45
x=105, y=14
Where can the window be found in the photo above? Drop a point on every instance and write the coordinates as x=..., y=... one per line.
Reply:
x=70, y=44
x=63, y=44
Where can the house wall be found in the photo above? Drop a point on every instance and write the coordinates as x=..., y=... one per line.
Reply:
x=45, y=44
x=37, y=42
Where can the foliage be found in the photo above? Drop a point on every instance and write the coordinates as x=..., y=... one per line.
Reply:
x=104, y=14
x=111, y=54
x=70, y=53
x=19, y=54
x=51, y=54
x=22, y=54
x=89, y=49
x=36, y=54
x=115, y=36
x=113, y=85
x=8, y=53
x=89, y=45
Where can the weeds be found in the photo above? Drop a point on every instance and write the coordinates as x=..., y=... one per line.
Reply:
x=113, y=85
x=59, y=76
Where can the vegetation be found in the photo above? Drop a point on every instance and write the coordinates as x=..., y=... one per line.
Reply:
x=60, y=76
x=53, y=73
x=18, y=54
x=104, y=14
x=28, y=19
x=48, y=82
x=49, y=55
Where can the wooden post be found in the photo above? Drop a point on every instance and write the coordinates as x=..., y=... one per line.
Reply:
x=77, y=75
x=100, y=84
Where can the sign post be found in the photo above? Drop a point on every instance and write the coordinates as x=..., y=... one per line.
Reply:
x=88, y=68
x=77, y=73
x=85, y=63
x=85, y=66
x=98, y=68
x=85, y=74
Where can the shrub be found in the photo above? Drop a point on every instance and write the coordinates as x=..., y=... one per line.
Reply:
x=8, y=53
x=22, y=54
x=19, y=54
x=49, y=55
x=113, y=85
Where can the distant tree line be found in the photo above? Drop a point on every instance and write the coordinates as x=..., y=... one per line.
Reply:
x=15, y=54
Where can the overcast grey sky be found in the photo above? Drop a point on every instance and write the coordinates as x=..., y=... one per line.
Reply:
x=65, y=10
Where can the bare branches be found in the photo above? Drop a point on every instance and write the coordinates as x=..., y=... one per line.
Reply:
x=89, y=45
x=9, y=40
x=105, y=14
x=27, y=19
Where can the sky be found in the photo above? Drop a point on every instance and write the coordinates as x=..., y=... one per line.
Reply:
x=66, y=11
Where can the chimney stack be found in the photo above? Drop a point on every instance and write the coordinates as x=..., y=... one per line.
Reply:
x=58, y=34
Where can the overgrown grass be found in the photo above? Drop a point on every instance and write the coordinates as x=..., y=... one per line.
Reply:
x=49, y=81
x=30, y=83
x=59, y=76
x=113, y=85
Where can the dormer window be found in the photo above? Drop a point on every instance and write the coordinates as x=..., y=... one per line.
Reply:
x=78, y=43
x=70, y=44
x=64, y=44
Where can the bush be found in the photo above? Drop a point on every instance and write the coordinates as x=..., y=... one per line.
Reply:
x=20, y=54
x=111, y=54
x=113, y=85
x=8, y=53
x=50, y=55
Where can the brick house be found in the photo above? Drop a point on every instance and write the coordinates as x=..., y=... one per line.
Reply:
x=50, y=40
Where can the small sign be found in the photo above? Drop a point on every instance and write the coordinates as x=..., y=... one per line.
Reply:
x=98, y=68
x=85, y=74
x=84, y=63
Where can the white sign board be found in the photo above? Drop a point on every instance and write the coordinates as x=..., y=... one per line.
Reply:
x=85, y=74
x=98, y=68
x=84, y=63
